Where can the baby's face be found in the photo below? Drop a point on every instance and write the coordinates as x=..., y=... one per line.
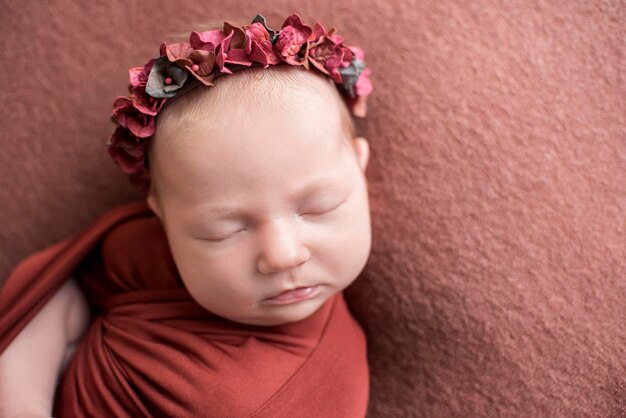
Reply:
x=263, y=199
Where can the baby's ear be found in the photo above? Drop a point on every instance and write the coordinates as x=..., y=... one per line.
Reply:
x=362, y=149
x=153, y=203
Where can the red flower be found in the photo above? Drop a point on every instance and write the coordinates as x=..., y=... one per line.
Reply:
x=206, y=41
x=361, y=88
x=257, y=33
x=202, y=65
x=327, y=57
x=127, y=151
x=358, y=52
x=232, y=49
x=126, y=114
x=177, y=53
x=139, y=75
x=199, y=62
x=145, y=103
x=293, y=36
x=318, y=32
x=142, y=101
x=259, y=48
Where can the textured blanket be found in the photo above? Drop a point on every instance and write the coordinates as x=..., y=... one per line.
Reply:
x=497, y=280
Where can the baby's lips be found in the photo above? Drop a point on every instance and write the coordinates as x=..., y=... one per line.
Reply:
x=294, y=295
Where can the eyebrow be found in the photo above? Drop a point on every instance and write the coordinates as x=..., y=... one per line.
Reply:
x=228, y=211
x=320, y=183
x=219, y=211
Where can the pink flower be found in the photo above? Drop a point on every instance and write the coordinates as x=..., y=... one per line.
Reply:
x=222, y=54
x=127, y=152
x=318, y=32
x=229, y=49
x=293, y=36
x=202, y=65
x=257, y=33
x=232, y=49
x=206, y=41
x=126, y=114
x=236, y=53
x=141, y=100
x=139, y=75
x=358, y=83
x=199, y=62
x=295, y=21
x=337, y=39
x=259, y=47
x=363, y=86
x=177, y=53
x=145, y=103
x=327, y=57
x=358, y=52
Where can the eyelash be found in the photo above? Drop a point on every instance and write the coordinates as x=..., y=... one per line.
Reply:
x=224, y=238
x=319, y=213
x=322, y=212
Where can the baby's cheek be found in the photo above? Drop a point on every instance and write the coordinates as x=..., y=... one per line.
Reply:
x=349, y=245
x=193, y=266
x=224, y=272
x=362, y=235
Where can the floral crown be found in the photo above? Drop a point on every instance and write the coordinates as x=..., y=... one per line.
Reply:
x=181, y=67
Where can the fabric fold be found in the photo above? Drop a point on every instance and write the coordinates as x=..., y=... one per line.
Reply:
x=152, y=350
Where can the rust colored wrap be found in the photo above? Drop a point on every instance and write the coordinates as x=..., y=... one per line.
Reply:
x=152, y=350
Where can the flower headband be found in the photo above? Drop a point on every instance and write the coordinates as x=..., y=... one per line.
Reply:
x=183, y=66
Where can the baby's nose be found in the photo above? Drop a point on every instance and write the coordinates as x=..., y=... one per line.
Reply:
x=281, y=248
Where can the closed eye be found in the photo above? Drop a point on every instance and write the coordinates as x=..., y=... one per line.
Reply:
x=320, y=212
x=220, y=239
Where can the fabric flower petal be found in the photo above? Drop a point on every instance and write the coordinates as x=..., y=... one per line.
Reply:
x=327, y=57
x=178, y=53
x=127, y=152
x=318, y=32
x=350, y=75
x=140, y=124
x=162, y=71
x=202, y=66
x=235, y=48
x=213, y=53
x=291, y=39
x=289, y=44
x=259, y=18
x=207, y=41
x=139, y=75
x=257, y=32
x=145, y=103
x=363, y=86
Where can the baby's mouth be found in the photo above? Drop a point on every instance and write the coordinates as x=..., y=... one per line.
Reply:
x=293, y=295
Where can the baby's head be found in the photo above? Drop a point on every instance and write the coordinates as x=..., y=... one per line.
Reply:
x=259, y=183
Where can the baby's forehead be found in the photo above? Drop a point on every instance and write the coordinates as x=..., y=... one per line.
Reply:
x=235, y=98
x=288, y=132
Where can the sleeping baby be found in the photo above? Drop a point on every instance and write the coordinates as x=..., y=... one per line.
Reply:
x=220, y=295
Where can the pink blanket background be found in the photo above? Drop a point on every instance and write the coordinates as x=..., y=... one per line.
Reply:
x=497, y=281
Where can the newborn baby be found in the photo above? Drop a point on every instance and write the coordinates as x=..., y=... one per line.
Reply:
x=260, y=181
x=223, y=295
